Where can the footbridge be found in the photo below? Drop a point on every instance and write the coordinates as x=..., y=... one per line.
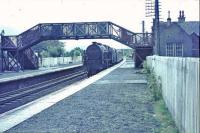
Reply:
x=18, y=55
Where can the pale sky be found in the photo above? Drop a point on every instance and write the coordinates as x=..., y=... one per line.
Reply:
x=19, y=15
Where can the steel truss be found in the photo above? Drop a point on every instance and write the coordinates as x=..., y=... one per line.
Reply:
x=22, y=43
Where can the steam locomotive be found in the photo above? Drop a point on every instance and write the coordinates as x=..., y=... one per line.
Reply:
x=98, y=57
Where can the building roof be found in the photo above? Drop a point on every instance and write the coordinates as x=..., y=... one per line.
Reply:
x=190, y=27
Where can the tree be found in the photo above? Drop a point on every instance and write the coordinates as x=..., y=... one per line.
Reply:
x=76, y=52
x=53, y=48
x=67, y=54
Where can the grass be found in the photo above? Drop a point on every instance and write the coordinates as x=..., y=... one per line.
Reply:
x=164, y=117
x=167, y=124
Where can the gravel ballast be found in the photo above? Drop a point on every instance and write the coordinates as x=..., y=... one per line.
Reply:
x=118, y=103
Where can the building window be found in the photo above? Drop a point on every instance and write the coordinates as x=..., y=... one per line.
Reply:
x=169, y=49
x=174, y=49
x=179, y=49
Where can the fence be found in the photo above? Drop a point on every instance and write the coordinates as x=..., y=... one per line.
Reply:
x=56, y=61
x=180, y=88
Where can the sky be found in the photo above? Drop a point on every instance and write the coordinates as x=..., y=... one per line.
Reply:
x=17, y=16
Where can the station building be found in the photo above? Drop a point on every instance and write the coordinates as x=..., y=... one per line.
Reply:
x=179, y=38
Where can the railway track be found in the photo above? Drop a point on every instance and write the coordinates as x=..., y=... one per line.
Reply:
x=23, y=95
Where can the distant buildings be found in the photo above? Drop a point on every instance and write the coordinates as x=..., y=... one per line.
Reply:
x=179, y=38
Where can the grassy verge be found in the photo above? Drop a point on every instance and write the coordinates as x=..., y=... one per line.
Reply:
x=167, y=124
x=164, y=117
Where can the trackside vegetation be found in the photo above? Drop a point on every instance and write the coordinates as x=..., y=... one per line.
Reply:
x=162, y=114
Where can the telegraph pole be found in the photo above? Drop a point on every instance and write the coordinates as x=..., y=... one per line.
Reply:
x=157, y=28
x=152, y=10
x=143, y=31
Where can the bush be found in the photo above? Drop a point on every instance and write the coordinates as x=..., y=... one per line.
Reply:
x=154, y=84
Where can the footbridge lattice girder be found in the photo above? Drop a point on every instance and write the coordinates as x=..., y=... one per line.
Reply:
x=82, y=30
x=23, y=42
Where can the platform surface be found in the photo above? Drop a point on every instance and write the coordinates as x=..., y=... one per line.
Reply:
x=118, y=103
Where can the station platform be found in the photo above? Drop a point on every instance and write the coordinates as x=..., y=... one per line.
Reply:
x=10, y=76
x=115, y=100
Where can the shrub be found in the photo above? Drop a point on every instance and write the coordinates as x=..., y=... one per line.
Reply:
x=154, y=84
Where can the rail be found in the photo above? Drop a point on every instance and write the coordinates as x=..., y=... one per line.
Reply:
x=32, y=92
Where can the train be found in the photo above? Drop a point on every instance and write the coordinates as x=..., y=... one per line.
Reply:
x=98, y=57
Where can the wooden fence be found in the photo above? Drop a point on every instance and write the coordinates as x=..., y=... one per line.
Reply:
x=180, y=89
x=56, y=61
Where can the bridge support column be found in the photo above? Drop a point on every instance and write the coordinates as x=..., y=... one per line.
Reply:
x=140, y=55
x=1, y=51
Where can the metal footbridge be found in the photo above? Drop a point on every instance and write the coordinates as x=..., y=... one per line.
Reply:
x=18, y=55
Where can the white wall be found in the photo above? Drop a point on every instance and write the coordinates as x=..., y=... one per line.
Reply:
x=180, y=88
x=56, y=61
